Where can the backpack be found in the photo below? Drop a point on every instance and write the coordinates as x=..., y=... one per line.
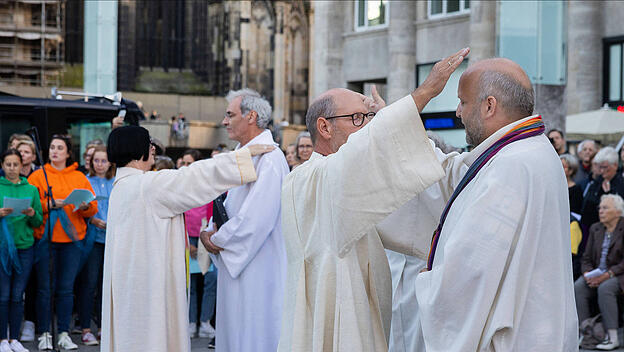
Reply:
x=592, y=332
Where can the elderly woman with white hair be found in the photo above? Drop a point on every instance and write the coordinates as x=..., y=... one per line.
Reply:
x=602, y=267
x=304, y=146
x=609, y=182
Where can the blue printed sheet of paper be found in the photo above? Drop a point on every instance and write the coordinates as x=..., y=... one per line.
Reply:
x=17, y=204
x=77, y=196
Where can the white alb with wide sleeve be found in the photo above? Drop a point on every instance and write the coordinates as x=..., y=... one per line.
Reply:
x=502, y=274
x=405, y=330
x=338, y=293
x=252, y=264
x=144, y=304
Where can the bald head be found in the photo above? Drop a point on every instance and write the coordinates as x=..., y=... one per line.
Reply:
x=507, y=82
x=335, y=101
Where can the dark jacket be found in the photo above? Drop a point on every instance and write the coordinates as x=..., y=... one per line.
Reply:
x=615, y=255
x=589, y=214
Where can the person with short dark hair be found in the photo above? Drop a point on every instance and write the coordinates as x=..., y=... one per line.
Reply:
x=558, y=141
x=69, y=228
x=144, y=288
x=190, y=156
x=16, y=248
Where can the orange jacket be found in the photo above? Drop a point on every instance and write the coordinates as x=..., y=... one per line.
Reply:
x=63, y=182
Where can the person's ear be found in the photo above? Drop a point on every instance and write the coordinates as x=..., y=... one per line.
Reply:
x=324, y=128
x=252, y=117
x=490, y=107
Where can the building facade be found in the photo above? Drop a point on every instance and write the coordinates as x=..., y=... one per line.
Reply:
x=571, y=50
x=31, y=42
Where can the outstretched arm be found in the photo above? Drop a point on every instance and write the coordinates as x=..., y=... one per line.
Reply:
x=201, y=182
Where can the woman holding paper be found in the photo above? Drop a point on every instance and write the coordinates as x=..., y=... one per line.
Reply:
x=602, y=267
x=16, y=246
x=101, y=173
x=68, y=230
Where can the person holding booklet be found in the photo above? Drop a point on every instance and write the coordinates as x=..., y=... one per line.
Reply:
x=68, y=231
x=16, y=247
x=602, y=266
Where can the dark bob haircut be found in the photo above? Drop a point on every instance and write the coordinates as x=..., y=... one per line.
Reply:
x=128, y=143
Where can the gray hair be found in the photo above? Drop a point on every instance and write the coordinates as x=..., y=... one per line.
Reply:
x=252, y=101
x=511, y=95
x=572, y=162
x=439, y=142
x=303, y=134
x=618, y=202
x=607, y=154
x=320, y=107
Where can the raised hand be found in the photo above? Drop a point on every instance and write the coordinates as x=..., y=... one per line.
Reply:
x=437, y=78
x=376, y=102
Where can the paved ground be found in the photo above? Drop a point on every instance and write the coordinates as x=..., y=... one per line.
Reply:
x=197, y=345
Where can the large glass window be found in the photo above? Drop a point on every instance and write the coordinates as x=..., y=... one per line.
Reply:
x=447, y=100
x=532, y=33
x=441, y=8
x=614, y=71
x=371, y=13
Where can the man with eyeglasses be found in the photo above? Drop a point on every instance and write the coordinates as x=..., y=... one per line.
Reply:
x=366, y=163
x=248, y=249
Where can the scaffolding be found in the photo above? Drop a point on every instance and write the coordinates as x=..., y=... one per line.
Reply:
x=31, y=42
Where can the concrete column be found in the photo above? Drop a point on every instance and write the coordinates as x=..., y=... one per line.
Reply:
x=482, y=30
x=584, y=88
x=326, y=53
x=280, y=107
x=401, y=49
x=100, y=47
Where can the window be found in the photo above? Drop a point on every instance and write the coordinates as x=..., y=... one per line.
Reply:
x=371, y=13
x=613, y=89
x=441, y=8
x=533, y=34
x=439, y=114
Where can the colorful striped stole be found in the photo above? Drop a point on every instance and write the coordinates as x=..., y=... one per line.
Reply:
x=529, y=128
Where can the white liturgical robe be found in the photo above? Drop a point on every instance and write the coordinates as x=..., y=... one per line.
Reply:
x=144, y=304
x=405, y=329
x=338, y=293
x=502, y=274
x=252, y=264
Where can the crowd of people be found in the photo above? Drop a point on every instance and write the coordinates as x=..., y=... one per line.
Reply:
x=78, y=237
x=595, y=178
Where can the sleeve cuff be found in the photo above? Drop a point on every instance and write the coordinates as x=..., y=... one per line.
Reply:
x=245, y=166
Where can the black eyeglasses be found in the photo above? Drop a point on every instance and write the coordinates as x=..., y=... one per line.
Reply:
x=357, y=118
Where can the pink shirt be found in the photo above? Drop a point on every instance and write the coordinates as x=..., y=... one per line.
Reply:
x=194, y=218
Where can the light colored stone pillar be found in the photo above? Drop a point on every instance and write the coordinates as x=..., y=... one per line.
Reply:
x=584, y=88
x=280, y=106
x=326, y=53
x=401, y=47
x=482, y=30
